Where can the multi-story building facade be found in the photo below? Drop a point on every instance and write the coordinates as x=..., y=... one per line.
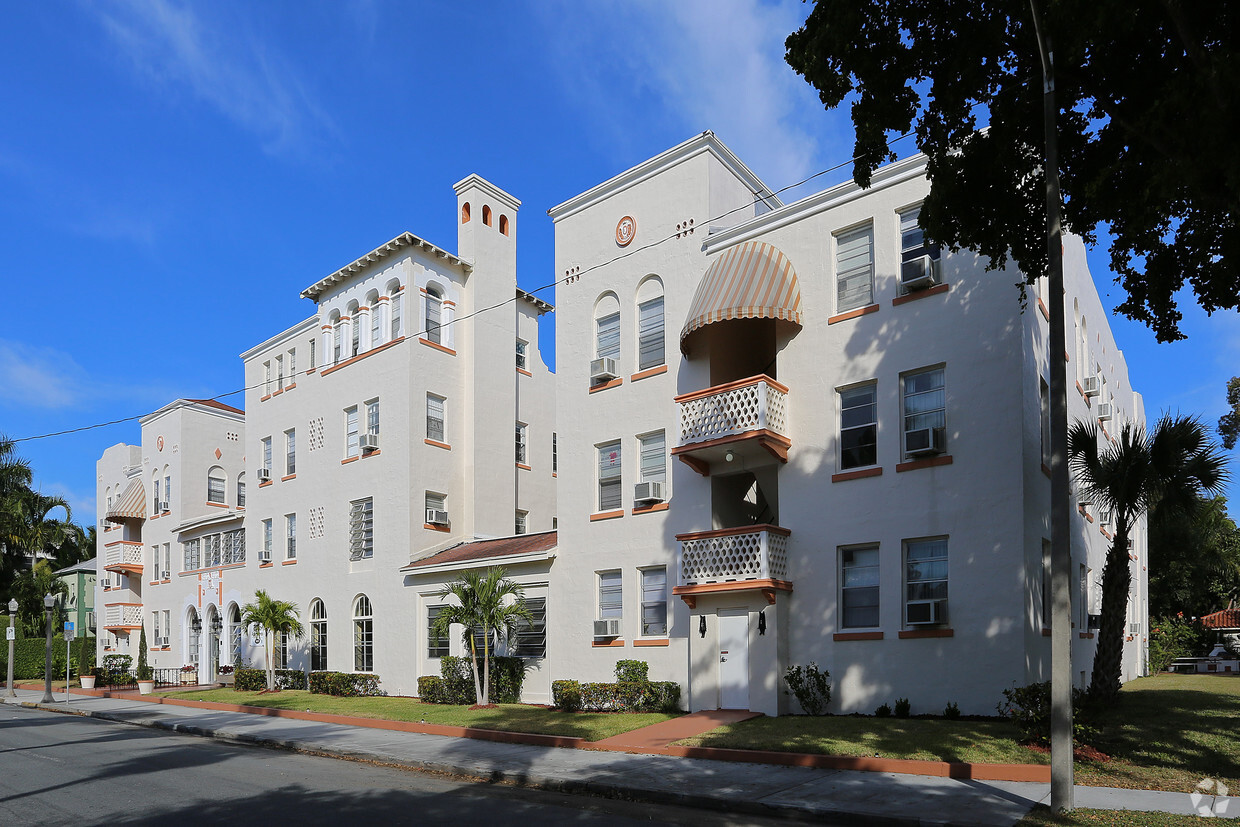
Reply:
x=795, y=433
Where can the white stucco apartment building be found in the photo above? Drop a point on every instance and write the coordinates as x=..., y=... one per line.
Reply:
x=794, y=433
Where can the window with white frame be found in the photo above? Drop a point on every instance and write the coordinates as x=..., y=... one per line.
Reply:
x=376, y=324
x=521, y=350
x=650, y=337
x=350, y=429
x=155, y=503
x=292, y=366
x=653, y=448
x=337, y=341
x=914, y=248
x=436, y=645
x=241, y=491
x=355, y=332
x=859, y=587
x=608, y=336
x=434, y=316
x=155, y=628
x=394, y=309
x=155, y=561
x=519, y=528
x=279, y=373
x=290, y=536
x=435, y=502
x=610, y=596
x=318, y=636
x=531, y=637
x=521, y=439
x=925, y=580
x=267, y=455
x=609, y=476
x=313, y=353
x=372, y=416
x=212, y=554
x=363, y=635
x=555, y=454
x=234, y=546
x=195, y=637
x=236, y=643
x=858, y=426
x=854, y=269
x=267, y=378
x=279, y=648
x=190, y=550
x=265, y=557
x=290, y=452
x=654, y=602
x=166, y=571
x=434, y=418
x=361, y=529
x=925, y=404
x=167, y=492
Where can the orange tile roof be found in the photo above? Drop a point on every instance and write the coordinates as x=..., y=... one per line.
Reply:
x=1226, y=619
x=211, y=403
x=477, y=550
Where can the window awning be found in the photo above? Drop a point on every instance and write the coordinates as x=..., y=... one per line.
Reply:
x=750, y=281
x=130, y=505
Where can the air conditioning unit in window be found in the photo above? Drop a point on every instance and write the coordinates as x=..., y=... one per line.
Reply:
x=368, y=442
x=1092, y=385
x=163, y=575
x=607, y=628
x=1094, y=621
x=159, y=507
x=1134, y=628
x=264, y=475
x=927, y=612
x=602, y=370
x=924, y=441
x=165, y=506
x=648, y=492
x=162, y=641
x=264, y=557
x=436, y=517
x=918, y=273
x=1103, y=411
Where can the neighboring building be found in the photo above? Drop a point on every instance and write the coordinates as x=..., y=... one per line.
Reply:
x=796, y=433
x=80, y=604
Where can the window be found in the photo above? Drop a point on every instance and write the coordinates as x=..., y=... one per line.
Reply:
x=608, y=336
x=858, y=427
x=859, y=587
x=155, y=505
x=265, y=557
x=434, y=313
x=211, y=551
x=610, y=596
x=854, y=269
x=609, y=476
x=372, y=416
x=313, y=353
x=434, y=418
x=195, y=636
x=653, y=458
x=436, y=647
x=279, y=373
x=925, y=578
x=167, y=493
x=238, y=633
x=290, y=452
x=361, y=529
x=318, y=636
x=555, y=455
x=531, y=637
x=190, y=550
x=215, y=486
x=280, y=651
x=650, y=334
x=394, y=304
x=155, y=627
x=290, y=536
x=266, y=378
x=241, y=491
x=376, y=325
x=355, y=327
x=267, y=455
x=155, y=560
x=1044, y=397
x=924, y=402
x=436, y=502
x=363, y=636
x=292, y=367
x=520, y=526
x=521, y=347
x=338, y=343
x=234, y=546
x=913, y=244
x=521, y=435
x=654, y=601
x=166, y=571
x=350, y=428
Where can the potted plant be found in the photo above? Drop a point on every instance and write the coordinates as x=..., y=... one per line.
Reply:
x=86, y=674
x=226, y=676
x=146, y=683
x=189, y=674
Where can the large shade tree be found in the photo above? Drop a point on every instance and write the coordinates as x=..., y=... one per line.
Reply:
x=486, y=605
x=274, y=617
x=1194, y=560
x=1169, y=468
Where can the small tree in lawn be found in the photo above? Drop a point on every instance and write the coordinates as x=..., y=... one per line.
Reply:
x=273, y=617
x=144, y=668
x=487, y=602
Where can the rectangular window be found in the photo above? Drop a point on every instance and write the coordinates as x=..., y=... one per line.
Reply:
x=436, y=502
x=313, y=353
x=436, y=647
x=215, y=489
x=167, y=493
x=521, y=347
x=292, y=366
x=434, y=310
x=267, y=454
x=290, y=536
x=610, y=596
x=279, y=373
x=318, y=645
x=394, y=304
x=859, y=427
x=376, y=325
x=854, y=269
x=350, y=429
x=859, y=588
x=521, y=436
x=434, y=418
x=361, y=529
x=925, y=579
x=211, y=547
x=265, y=557
x=608, y=341
x=266, y=378
x=280, y=650
x=156, y=504
x=166, y=571
x=363, y=644
x=925, y=403
x=338, y=343
x=241, y=493
x=650, y=334
x=168, y=627
x=654, y=602
x=1044, y=422
x=653, y=457
x=531, y=637
x=913, y=244
x=155, y=562
x=372, y=416
x=234, y=546
x=155, y=627
x=520, y=526
x=555, y=454
x=609, y=476
x=190, y=550
x=290, y=452
x=355, y=327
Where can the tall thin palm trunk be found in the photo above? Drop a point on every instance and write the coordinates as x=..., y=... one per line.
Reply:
x=1104, y=682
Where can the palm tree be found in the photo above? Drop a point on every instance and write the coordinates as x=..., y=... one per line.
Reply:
x=15, y=479
x=1171, y=467
x=488, y=603
x=274, y=617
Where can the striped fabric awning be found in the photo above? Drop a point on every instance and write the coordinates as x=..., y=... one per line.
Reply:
x=130, y=505
x=750, y=281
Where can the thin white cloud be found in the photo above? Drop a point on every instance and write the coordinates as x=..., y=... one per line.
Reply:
x=43, y=378
x=247, y=81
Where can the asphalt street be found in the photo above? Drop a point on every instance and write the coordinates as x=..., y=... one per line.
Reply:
x=64, y=769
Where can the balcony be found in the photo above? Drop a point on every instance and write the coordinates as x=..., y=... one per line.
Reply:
x=733, y=559
x=743, y=422
x=123, y=555
x=118, y=616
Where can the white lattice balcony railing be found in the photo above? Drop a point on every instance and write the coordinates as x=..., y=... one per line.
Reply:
x=750, y=405
x=123, y=554
x=124, y=614
x=729, y=555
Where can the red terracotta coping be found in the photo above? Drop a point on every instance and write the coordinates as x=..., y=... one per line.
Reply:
x=614, y=383
x=857, y=475
x=852, y=314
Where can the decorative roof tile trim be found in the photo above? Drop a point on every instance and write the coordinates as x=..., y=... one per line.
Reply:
x=378, y=254
x=475, y=550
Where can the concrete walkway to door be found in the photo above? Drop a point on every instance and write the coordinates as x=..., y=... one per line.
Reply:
x=660, y=735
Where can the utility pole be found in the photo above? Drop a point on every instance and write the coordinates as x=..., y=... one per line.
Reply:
x=1061, y=541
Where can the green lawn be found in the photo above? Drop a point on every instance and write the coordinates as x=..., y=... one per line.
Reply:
x=507, y=717
x=1041, y=817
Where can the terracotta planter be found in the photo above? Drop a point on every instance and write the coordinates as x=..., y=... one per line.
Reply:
x=146, y=687
x=88, y=681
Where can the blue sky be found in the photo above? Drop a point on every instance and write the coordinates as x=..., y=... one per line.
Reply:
x=173, y=175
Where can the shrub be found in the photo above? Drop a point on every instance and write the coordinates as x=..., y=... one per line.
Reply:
x=144, y=672
x=951, y=712
x=883, y=711
x=566, y=695
x=1175, y=637
x=507, y=678
x=430, y=689
x=632, y=671
x=1029, y=707
x=903, y=707
x=345, y=684
x=250, y=680
x=810, y=687
x=629, y=696
x=28, y=657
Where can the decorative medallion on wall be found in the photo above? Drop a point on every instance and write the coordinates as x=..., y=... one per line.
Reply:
x=626, y=229
x=159, y=443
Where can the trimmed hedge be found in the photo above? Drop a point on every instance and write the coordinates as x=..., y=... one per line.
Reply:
x=632, y=670
x=622, y=696
x=456, y=686
x=29, y=655
x=345, y=684
x=431, y=690
x=253, y=680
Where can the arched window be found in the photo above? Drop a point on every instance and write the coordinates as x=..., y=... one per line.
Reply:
x=465, y=213
x=376, y=318
x=156, y=500
x=318, y=635
x=241, y=490
x=607, y=327
x=236, y=633
x=650, y=335
x=355, y=323
x=503, y=224
x=434, y=314
x=363, y=635
x=337, y=336
x=193, y=635
x=486, y=215
x=216, y=486
x=394, y=297
x=167, y=488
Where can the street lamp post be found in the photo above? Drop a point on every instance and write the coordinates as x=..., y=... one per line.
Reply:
x=12, y=613
x=49, y=603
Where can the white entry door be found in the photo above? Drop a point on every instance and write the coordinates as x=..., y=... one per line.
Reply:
x=734, y=659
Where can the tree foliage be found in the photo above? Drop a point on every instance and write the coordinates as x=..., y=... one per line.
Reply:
x=1229, y=424
x=1194, y=560
x=485, y=605
x=274, y=617
x=1149, y=101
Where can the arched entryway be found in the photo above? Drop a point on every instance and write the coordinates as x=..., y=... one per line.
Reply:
x=215, y=628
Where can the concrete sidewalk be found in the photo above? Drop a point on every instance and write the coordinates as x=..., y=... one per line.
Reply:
x=834, y=796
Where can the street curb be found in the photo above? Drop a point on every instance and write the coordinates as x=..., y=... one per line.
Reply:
x=539, y=782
